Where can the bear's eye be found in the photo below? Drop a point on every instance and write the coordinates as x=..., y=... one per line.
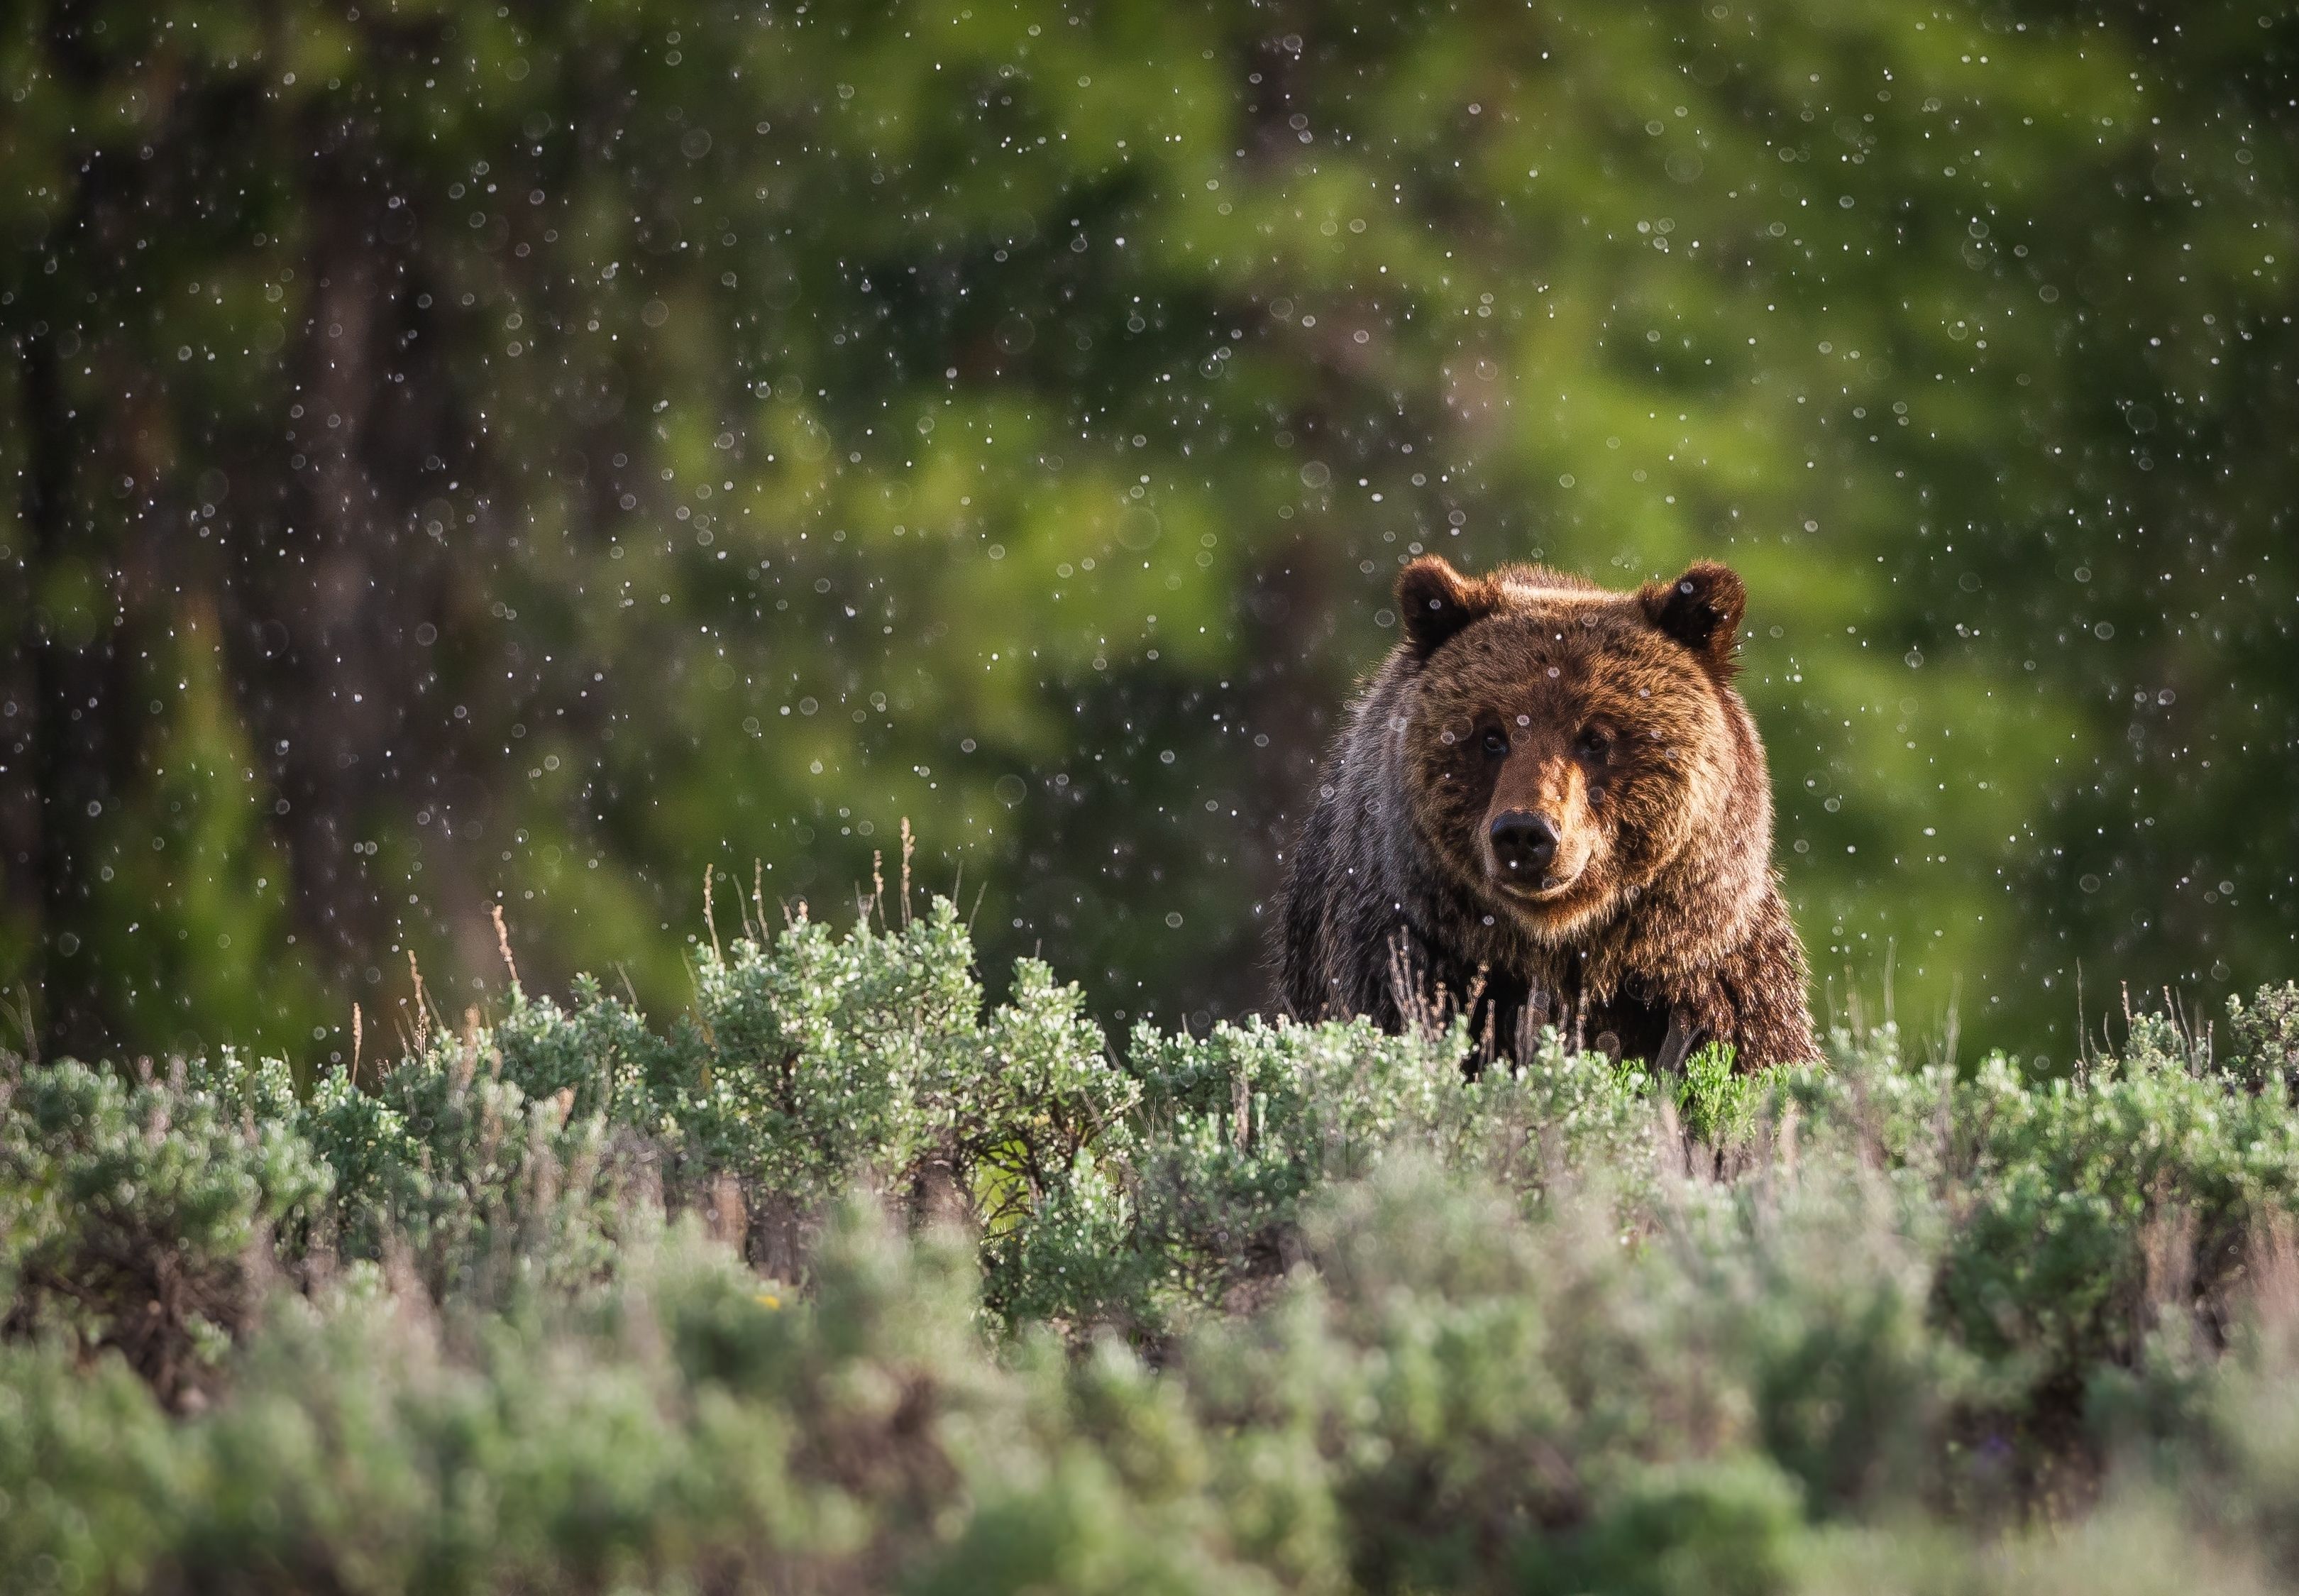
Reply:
x=1595, y=741
x=1496, y=745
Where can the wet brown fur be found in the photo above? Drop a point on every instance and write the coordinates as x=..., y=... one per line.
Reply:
x=1659, y=925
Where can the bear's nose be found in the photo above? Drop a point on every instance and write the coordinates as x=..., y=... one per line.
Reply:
x=1523, y=842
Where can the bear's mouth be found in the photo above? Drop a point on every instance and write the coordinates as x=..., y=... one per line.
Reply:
x=1547, y=888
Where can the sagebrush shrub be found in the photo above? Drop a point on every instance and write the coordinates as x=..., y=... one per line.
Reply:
x=851, y=1279
x=131, y=1212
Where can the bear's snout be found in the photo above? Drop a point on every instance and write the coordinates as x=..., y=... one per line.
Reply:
x=1538, y=841
x=1524, y=845
x=1536, y=853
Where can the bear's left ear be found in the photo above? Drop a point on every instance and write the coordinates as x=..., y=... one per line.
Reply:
x=1702, y=609
x=1435, y=601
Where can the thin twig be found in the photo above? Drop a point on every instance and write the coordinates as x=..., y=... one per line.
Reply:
x=910, y=845
x=423, y=1013
x=2083, y=1039
x=503, y=943
x=1955, y=1026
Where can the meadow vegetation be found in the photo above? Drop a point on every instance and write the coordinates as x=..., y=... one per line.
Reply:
x=848, y=1279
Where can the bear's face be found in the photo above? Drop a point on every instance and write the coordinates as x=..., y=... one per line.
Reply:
x=1568, y=743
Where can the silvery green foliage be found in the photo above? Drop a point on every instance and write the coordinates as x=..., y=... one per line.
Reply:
x=812, y=1061
x=824, y=1051
x=2071, y=1216
x=469, y=1172
x=822, y=1057
x=2262, y=1039
x=130, y=1211
x=1276, y=1307
x=1447, y=1394
x=1237, y=1127
x=476, y=1146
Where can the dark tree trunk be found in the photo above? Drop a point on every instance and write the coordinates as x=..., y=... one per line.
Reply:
x=328, y=599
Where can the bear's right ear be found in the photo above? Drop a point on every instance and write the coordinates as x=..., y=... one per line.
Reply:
x=1436, y=601
x=1702, y=609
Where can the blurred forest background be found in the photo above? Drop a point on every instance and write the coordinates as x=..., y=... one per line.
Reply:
x=465, y=453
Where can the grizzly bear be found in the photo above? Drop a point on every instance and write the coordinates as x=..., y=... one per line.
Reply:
x=1550, y=803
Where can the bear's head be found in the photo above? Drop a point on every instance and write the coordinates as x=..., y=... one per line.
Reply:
x=1566, y=744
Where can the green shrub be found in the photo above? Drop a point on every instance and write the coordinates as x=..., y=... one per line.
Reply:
x=132, y=1216
x=824, y=1056
x=1718, y=1105
x=2071, y=1215
x=1238, y=1129
x=853, y=1280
